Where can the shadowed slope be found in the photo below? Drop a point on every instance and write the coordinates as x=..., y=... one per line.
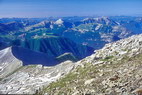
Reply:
x=31, y=57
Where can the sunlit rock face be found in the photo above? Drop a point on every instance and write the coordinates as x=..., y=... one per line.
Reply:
x=32, y=78
x=113, y=70
x=8, y=62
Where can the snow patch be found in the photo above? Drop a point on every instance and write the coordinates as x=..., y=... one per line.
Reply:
x=59, y=22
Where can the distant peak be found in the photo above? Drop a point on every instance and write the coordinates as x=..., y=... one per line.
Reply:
x=59, y=21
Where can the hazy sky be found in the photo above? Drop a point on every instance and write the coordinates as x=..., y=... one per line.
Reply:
x=46, y=8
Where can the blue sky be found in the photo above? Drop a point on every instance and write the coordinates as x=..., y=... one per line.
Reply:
x=47, y=8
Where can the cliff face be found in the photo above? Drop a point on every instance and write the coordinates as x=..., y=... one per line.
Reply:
x=112, y=70
x=55, y=46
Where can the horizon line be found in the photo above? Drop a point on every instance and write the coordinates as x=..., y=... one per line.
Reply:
x=140, y=15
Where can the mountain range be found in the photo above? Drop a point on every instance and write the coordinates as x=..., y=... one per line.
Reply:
x=115, y=69
x=71, y=55
x=88, y=33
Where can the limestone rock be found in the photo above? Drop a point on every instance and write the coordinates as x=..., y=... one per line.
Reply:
x=32, y=78
x=8, y=62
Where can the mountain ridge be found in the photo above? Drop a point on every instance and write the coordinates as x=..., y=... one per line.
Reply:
x=103, y=68
x=113, y=70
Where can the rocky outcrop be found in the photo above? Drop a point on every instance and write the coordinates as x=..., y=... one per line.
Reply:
x=18, y=79
x=131, y=46
x=8, y=62
x=31, y=79
x=66, y=56
x=113, y=70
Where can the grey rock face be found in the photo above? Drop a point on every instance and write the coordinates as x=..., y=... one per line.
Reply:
x=131, y=46
x=30, y=79
x=19, y=79
x=8, y=63
x=112, y=70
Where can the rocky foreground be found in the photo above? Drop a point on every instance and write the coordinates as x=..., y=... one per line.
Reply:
x=115, y=69
x=16, y=78
x=112, y=70
x=30, y=79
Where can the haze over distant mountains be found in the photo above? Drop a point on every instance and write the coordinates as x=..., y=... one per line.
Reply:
x=72, y=38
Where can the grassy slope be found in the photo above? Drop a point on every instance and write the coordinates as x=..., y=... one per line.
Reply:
x=110, y=78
